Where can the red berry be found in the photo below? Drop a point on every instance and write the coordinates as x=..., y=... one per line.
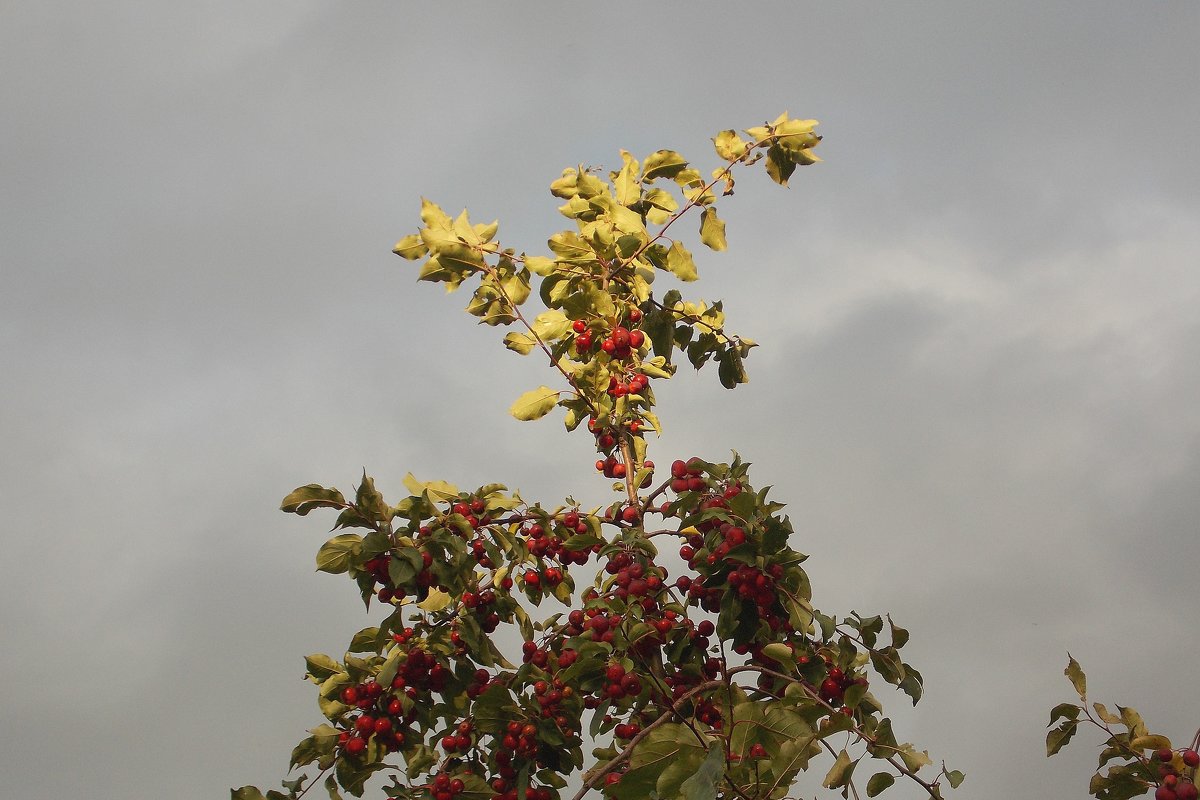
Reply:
x=356, y=745
x=1191, y=758
x=758, y=751
x=1164, y=754
x=579, y=326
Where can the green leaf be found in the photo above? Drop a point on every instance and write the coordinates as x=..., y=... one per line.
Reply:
x=680, y=263
x=650, y=760
x=1064, y=711
x=879, y=781
x=712, y=229
x=535, y=403
x=1058, y=738
x=551, y=325
x=322, y=667
x=306, y=498
x=899, y=635
x=539, y=265
x=779, y=166
x=246, y=793
x=780, y=653
x=335, y=555
x=839, y=774
x=955, y=778
x=914, y=759
x=1078, y=679
x=730, y=369
x=703, y=783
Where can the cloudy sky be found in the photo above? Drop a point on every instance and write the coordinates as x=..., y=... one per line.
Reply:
x=977, y=386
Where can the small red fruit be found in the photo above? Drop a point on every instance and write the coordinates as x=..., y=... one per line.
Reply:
x=758, y=751
x=1191, y=758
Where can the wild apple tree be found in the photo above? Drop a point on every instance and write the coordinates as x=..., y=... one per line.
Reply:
x=721, y=681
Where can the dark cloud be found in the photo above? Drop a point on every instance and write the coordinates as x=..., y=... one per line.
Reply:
x=975, y=389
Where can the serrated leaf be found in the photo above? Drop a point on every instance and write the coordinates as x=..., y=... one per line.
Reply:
x=410, y=248
x=625, y=183
x=663, y=164
x=879, y=781
x=335, y=555
x=1064, y=711
x=779, y=652
x=438, y=490
x=680, y=263
x=521, y=343
x=1133, y=721
x=1105, y=714
x=712, y=229
x=1151, y=741
x=539, y=265
x=779, y=166
x=1075, y=673
x=703, y=783
x=436, y=600
x=1058, y=737
x=551, y=325
x=839, y=774
x=535, y=403
x=730, y=146
x=914, y=759
x=306, y=498
x=322, y=667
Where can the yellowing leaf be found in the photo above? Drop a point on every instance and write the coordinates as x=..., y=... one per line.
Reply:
x=730, y=146
x=535, y=403
x=712, y=229
x=625, y=182
x=663, y=164
x=438, y=490
x=680, y=263
x=411, y=247
x=1078, y=679
x=436, y=601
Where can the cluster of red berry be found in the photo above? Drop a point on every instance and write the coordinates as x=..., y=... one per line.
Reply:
x=379, y=568
x=1172, y=786
x=384, y=713
x=619, y=343
x=444, y=787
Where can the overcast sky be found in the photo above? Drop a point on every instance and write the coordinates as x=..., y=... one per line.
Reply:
x=977, y=387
